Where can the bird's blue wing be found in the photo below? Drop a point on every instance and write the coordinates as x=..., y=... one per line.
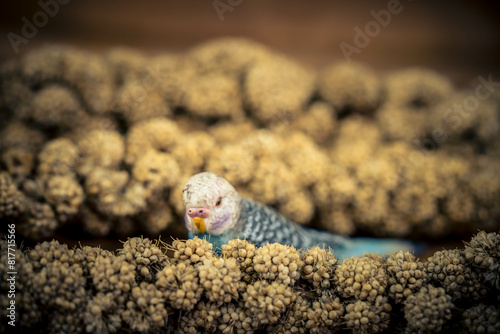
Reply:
x=265, y=225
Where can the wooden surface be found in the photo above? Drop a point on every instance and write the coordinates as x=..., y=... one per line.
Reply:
x=458, y=38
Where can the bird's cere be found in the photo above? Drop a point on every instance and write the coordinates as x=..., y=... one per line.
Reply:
x=199, y=215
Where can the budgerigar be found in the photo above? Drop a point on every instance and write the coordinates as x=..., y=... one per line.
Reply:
x=215, y=211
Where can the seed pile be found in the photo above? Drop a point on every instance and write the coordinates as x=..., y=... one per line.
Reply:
x=140, y=288
x=484, y=251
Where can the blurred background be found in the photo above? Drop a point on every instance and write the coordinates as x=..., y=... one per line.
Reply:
x=460, y=39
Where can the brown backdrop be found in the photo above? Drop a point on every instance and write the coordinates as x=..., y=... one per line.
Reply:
x=460, y=39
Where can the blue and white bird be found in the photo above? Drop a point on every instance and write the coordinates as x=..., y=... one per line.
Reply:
x=215, y=211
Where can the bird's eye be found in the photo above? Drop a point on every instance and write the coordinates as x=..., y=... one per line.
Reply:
x=219, y=202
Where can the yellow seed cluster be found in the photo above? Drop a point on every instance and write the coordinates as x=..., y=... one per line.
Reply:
x=100, y=148
x=57, y=106
x=193, y=152
x=278, y=263
x=236, y=318
x=192, y=251
x=290, y=84
x=61, y=279
x=449, y=268
x=319, y=267
x=268, y=301
x=317, y=122
x=16, y=134
x=16, y=91
x=113, y=195
x=243, y=252
x=309, y=314
x=88, y=289
x=12, y=201
x=361, y=277
x=28, y=312
x=88, y=72
x=155, y=172
x=58, y=157
x=39, y=221
x=134, y=103
x=159, y=218
x=406, y=275
x=483, y=251
x=125, y=62
x=411, y=96
x=204, y=317
x=327, y=314
x=65, y=195
x=220, y=278
x=113, y=275
x=102, y=314
x=428, y=310
x=481, y=319
x=146, y=308
x=145, y=255
x=368, y=317
x=215, y=95
x=416, y=88
x=157, y=134
x=230, y=56
x=19, y=145
x=88, y=256
x=180, y=286
x=18, y=162
x=296, y=319
x=351, y=87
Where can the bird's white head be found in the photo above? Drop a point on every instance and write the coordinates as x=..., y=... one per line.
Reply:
x=212, y=204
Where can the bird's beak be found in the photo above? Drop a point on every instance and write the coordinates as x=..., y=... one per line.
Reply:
x=200, y=224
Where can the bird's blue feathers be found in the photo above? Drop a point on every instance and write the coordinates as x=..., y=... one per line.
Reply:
x=260, y=224
x=359, y=246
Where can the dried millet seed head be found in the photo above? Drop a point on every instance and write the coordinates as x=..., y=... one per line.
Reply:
x=278, y=262
x=428, y=310
x=145, y=255
x=482, y=319
x=12, y=201
x=406, y=274
x=361, y=277
x=192, y=251
x=268, y=301
x=243, y=252
x=113, y=275
x=484, y=249
x=145, y=309
x=180, y=286
x=368, y=317
x=449, y=268
x=319, y=266
x=220, y=278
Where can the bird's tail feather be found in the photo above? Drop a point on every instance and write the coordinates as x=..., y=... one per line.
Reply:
x=381, y=247
x=344, y=247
